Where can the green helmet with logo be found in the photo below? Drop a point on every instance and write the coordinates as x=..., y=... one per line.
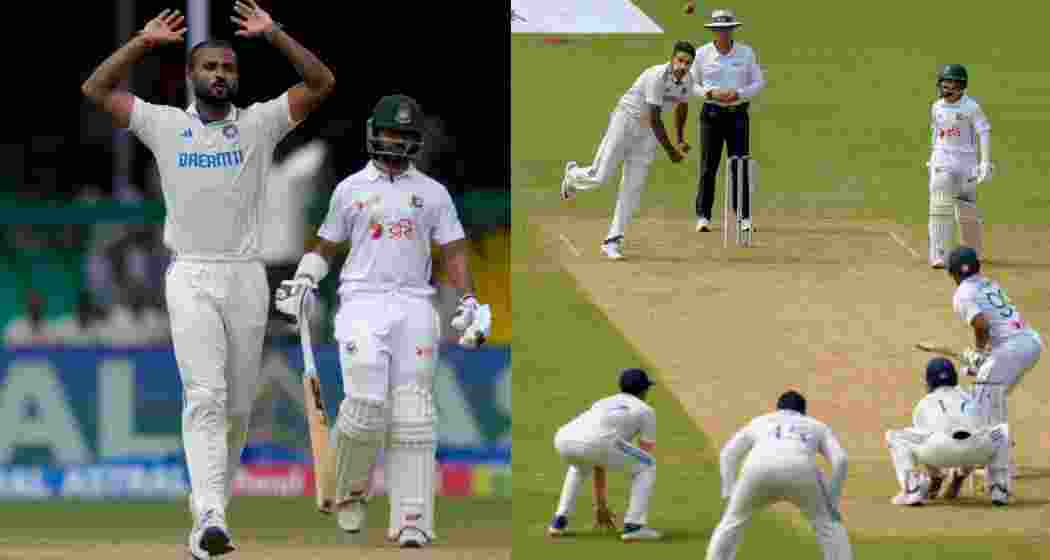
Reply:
x=953, y=72
x=402, y=114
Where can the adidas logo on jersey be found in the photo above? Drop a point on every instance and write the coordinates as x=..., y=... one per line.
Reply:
x=187, y=134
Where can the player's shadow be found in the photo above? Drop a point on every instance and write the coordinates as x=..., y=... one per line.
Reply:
x=1007, y=263
x=969, y=502
x=1031, y=473
x=594, y=535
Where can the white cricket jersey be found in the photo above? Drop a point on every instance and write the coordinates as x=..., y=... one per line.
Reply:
x=738, y=69
x=978, y=294
x=957, y=126
x=946, y=410
x=390, y=226
x=213, y=175
x=656, y=86
x=619, y=417
x=773, y=436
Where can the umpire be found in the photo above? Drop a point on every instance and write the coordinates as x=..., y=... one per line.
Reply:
x=727, y=76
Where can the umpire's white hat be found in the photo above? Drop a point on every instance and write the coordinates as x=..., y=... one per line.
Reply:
x=723, y=19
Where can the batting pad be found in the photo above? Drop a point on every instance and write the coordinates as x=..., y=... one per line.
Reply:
x=360, y=428
x=971, y=224
x=411, y=460
x=942, y=230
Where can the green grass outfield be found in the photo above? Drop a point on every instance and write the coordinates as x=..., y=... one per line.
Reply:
x=275, y=520
x=843, y=124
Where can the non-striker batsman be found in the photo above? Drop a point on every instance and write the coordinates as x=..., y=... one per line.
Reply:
x=387, y=324
x=213, y=158
x=959, y=126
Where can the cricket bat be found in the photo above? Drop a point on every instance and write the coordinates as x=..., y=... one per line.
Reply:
x=938, y=349
x=318, y=419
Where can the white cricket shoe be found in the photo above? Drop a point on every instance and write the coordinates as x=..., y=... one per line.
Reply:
x=937, y=264
x=920, y=486
x=210, y=537
x=611, y=249
x=1000, y=496
x=351, y=516
x=703, y=224
x=641, y=534
x=745, y=224
x=412, y=537
x=568, y=192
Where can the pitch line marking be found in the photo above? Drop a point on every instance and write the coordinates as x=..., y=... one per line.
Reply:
x=569, y=244
x=901, y=242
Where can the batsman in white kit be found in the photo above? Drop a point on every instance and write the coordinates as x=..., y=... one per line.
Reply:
x=948, y=433
x=781, y=465
x=600, y=439
x=636, y=126
x=387, y=324
x=959, y=128
x=1005, y=348
x=213, y=158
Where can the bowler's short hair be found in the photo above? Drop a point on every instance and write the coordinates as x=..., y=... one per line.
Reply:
x=209, y=44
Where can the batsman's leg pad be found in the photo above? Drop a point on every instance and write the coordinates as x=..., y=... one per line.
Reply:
x=971, y=224
x=360, y=428
x=412, y=459
x=943, y=190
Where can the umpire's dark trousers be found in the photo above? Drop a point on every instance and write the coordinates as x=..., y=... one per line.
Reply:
x=729, y=126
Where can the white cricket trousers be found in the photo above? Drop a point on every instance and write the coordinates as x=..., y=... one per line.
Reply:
x=618, y=455
x=988, y=446
x=389, y=340
x=953, y=201
x=629, y=141
x=218, y=312
x=1003, y=370
x=768, y=479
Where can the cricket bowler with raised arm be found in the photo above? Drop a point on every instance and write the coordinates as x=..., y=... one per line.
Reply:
x=600, y=439
x=1005, y=347
x=960, y=129
x=635, y=128
x=213, y=158
x=948, y=433
x=387, y=324
x=781, y=449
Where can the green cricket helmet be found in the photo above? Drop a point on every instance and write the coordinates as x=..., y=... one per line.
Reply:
x=395, y=112
x=955, y=72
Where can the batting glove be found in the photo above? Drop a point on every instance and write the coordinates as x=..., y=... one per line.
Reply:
x=295, y=297
x=474, y=320
x=972, y=360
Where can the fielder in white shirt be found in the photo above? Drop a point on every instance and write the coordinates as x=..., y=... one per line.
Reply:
x=636, y=126
x=782, y=466
x=387, y=324
x=958, y=124
x=213, y=159
x=600, y=439
x=1005, y=348
x=948, y=432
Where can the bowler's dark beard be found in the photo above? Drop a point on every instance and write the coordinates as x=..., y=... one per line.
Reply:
x=202, y=91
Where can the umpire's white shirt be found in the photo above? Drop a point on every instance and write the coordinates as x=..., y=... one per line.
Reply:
x=390, y=225
x=620, y=417
x=737, y=70
x=656, y=86
x=213, y=175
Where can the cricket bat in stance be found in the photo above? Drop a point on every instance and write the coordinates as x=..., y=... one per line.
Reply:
x=938, y=349
x=318, y=419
